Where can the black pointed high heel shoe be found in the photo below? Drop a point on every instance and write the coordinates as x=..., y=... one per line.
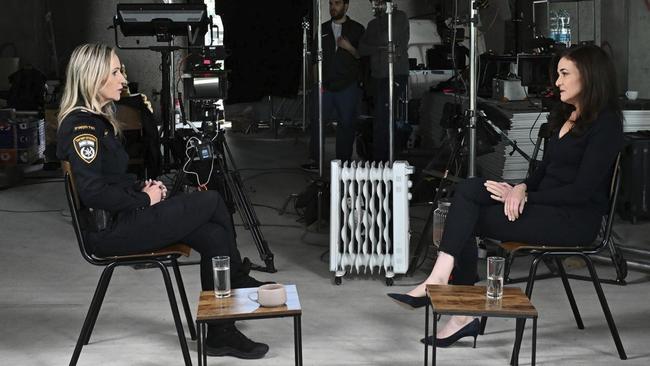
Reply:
x=414, y=302
x=469, y=330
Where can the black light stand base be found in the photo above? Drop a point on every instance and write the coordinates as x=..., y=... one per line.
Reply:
x=269, y=268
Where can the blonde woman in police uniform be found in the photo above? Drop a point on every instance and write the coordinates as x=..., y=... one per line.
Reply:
x=141, y=219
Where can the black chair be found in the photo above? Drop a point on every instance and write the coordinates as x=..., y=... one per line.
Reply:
x=556, y=253
x=157, y=258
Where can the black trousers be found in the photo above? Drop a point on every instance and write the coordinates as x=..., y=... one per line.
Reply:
x=473, y=212
x=200, y=220
x=346, y=104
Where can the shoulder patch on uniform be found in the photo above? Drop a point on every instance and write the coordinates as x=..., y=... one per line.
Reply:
x=83, y=127
x=86, y=147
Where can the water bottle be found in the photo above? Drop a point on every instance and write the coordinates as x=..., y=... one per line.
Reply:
x=554, y=27
x=439, y=218
x=565, y=30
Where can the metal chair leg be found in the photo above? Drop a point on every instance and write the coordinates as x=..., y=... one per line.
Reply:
x=529, y=292
x=603, y=304
x=102, y=293
x=95, y=303
x=177, y=317
x=506, y=271
x=183, y=295
x=569, y=293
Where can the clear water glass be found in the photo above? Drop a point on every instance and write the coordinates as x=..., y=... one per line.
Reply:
x=221, y=270
x=495, y=268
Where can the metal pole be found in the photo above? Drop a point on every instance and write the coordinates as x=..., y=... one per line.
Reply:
x=305, y=53
x=471, y=171
x=391, y=82
x=320, y=93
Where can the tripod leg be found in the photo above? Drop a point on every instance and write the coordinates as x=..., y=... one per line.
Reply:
x=247, y=213
x=423, y=242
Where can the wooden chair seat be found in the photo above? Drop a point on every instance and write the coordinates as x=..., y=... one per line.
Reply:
x=175, y=249
x=513, y=246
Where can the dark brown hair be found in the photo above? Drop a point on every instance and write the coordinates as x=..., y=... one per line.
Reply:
x=599, y=89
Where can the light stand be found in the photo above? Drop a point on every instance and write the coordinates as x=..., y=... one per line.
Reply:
x=388, y=8
x=319, y=58
x=471, y=169
x=305, y=55
x=320, y=182
x=391, y=84
x=471, y=134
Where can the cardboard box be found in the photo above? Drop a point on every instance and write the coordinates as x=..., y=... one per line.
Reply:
x=7, y=135
x=27, y=135
x=27, y=156
x=8, y=157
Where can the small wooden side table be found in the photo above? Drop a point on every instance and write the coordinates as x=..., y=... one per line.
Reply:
x=240, y=307
x=472, y=301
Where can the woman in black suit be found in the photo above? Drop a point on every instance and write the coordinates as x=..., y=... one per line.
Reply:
x=561, y=203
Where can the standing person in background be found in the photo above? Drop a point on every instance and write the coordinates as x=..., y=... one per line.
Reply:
x=341, y=92
x=374, y=43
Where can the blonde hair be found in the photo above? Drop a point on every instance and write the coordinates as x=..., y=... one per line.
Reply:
x=87, y=72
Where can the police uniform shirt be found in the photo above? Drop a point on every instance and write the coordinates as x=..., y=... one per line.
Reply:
x=99, y=163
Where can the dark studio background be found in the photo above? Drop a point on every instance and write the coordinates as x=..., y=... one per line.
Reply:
x=264, y=40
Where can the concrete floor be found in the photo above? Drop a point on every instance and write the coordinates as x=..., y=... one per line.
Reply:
x=46, y=288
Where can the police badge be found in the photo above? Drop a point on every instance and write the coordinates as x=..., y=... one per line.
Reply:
x=86, y=147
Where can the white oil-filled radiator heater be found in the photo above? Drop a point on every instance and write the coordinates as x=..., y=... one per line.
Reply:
x=369, y=218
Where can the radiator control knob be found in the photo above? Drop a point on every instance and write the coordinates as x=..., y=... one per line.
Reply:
x=409, y=196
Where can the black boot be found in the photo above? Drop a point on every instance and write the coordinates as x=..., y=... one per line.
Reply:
x=227, y=340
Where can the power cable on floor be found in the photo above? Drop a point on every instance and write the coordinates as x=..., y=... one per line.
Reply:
x=273, y=172
x=271, y=207
x=274, y=225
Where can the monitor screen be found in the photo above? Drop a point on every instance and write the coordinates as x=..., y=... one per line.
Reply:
x=535, y=70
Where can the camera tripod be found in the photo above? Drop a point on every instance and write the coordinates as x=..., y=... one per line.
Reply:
x=233, y=189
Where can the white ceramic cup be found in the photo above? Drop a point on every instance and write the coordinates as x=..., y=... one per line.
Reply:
x=270, y=295
x=632, y=94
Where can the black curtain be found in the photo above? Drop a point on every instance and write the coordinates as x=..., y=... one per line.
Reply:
x=264, y=41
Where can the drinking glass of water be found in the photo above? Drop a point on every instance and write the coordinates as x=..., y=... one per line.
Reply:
x=495, y=267
x=221, y=269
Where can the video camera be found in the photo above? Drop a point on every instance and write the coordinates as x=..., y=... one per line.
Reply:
x=206, y=84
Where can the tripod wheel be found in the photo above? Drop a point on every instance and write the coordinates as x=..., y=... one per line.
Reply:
x=389, y=282
x=337, y=281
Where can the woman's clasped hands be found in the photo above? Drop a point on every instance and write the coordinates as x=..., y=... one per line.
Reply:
x=513, y=197
x=156, y=191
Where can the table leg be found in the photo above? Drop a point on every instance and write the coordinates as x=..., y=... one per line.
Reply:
x=297, y=339
x=199, y=343
x=426, y=334
x=519, y=334
x=534, y=340
x=204, y=354
x=433, y=339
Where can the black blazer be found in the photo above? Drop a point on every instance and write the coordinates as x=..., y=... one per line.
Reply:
x=340, y=67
